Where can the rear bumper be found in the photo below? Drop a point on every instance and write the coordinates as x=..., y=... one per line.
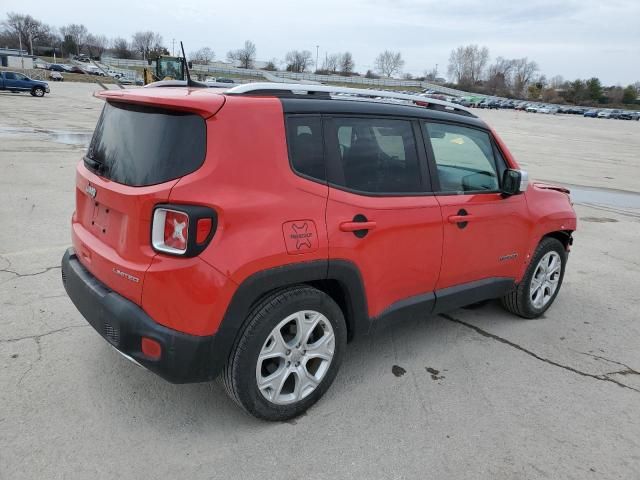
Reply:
x=185, y=358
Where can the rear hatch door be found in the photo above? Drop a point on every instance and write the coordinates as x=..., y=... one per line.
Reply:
x=137, y=154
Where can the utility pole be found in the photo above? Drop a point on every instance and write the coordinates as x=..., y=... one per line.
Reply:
x=173, y=46
x=436, y=76
x=317, y=51
x=20, y=42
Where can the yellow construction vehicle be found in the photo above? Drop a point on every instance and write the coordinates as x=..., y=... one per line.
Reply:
x=167, y=68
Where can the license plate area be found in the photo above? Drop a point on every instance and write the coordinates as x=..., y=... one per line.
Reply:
x=100, y=218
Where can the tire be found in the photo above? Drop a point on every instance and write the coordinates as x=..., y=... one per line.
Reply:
x=526, y=303
x=38, y=92
x=290, y=391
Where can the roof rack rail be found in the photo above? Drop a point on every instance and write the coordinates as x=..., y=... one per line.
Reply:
x=344, y=93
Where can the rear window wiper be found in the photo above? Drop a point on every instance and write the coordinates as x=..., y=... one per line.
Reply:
x=95, y=165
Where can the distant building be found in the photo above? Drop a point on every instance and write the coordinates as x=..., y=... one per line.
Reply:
x=14, y=58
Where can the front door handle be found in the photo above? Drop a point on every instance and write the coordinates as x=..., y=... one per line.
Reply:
x=462, y=218
x=359, y=226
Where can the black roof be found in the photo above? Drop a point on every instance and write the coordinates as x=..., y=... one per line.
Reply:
x=336, y=106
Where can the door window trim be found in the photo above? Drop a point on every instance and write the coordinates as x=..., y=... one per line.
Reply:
x=335, y=170
x=433, y=166
x=324, y=147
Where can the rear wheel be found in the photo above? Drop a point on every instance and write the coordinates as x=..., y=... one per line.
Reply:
x=541, y=282
x=288, y=354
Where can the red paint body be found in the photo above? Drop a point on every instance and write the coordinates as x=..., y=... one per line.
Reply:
x=411, y=249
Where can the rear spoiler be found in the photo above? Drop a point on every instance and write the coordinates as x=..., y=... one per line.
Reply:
x=203, y=101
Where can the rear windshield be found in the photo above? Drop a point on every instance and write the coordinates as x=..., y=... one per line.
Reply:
x=137, y=146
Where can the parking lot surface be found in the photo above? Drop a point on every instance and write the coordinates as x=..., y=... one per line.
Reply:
x=476, y=393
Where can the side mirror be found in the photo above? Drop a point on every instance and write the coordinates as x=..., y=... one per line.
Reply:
x=514, y=182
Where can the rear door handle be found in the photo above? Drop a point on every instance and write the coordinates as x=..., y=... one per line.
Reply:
x=355, y=226
x=359, y=226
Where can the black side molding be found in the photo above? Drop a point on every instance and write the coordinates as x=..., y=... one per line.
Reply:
x=448, y=299
x=443, y=300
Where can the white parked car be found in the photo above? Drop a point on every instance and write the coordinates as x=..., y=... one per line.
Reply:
x=548, y=109
x=533, y=108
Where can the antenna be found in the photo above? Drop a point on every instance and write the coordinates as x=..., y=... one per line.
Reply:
x=186, y=67
x=190, y=82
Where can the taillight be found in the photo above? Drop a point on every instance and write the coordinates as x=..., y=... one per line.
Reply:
x=170, y=231
x=182, y=229
x=203, y=229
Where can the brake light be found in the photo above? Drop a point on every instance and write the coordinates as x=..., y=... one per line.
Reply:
x=170, y=231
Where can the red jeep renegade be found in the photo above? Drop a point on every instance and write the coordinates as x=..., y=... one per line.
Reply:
x=248, y=234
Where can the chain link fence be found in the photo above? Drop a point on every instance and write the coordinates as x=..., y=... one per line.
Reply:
x=220, y=68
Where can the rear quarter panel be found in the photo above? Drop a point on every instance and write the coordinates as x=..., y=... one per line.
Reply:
x=247, y=179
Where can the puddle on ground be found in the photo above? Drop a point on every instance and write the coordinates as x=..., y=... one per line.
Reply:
x=65, y=137
x=71, y=138
x=602, y=196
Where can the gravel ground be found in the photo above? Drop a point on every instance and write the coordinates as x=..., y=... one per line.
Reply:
x=473, y=394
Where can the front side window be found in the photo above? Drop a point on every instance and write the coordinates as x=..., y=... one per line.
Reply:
x=377, y=155
x=19, y=76
x=464, y=158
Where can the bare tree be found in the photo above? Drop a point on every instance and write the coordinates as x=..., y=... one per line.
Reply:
x=146, y=43
x=331, y=63
x=202, y=56
x=298, y=60
x=478, y=58
x=523, y=74
x=96, y=45
x=272, y=65
x=467, y=63
x=389, y=63
x=347, y=65
x=556, y=81
x=121, y=48
x=499, y=76
x=246, y=55
x=457, y=69
x=431, y=75
x=78, y=33
x=25, y=29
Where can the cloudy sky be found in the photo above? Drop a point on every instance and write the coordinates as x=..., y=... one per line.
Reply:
x=572, y=38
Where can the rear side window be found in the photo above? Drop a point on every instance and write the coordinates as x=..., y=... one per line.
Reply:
x=377, y=155
x=137, y=146
x=304, y=137
x=464, y=158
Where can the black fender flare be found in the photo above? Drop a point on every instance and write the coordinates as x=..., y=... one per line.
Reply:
x=264, y=282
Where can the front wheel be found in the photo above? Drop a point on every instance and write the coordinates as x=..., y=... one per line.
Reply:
x=541, y=282
x=288, y=354
x=38, y=92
